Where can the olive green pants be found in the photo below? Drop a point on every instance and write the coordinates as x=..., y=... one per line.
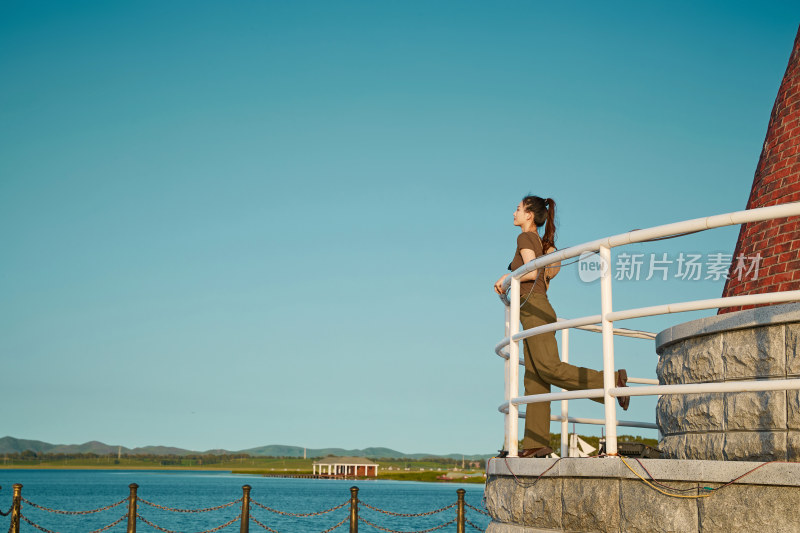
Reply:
x=543, y=367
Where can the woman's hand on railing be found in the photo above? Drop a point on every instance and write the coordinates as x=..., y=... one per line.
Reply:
x=498, y=285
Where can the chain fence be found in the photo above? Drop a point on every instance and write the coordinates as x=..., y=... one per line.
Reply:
x=176, y=510
x=255, y=521
x=343, y=522
x=481, y=511
x=104, y=528
x=58, y=511
x=299, y=515
x=244, y=518
x=473, y=526
x=264, y=526
x=236, y=518
x=390, y=513
x=376, y=526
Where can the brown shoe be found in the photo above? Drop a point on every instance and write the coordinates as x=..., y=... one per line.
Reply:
x=622, y=381
x=544, y=451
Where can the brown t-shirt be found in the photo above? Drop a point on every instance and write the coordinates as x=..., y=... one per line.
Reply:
x=529, y=240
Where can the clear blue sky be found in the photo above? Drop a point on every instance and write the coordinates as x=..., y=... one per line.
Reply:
x=225, y=225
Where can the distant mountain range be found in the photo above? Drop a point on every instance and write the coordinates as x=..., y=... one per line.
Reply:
x=13, y=445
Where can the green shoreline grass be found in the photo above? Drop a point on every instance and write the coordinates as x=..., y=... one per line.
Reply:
x=424, y=476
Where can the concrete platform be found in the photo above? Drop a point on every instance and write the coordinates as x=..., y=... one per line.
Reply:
x=602, y=494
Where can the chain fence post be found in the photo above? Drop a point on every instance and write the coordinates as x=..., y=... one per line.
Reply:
x=14, y=528
x=460, y=515
x=353, y=509
x=244, y=527
x=132, y=508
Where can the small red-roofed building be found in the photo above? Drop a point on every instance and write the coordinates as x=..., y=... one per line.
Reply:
x=345, y=467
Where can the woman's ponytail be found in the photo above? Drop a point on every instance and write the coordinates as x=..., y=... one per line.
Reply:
x=549, y=237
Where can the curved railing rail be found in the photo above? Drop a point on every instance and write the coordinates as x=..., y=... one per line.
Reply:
x=244, y=517
x=604, y=322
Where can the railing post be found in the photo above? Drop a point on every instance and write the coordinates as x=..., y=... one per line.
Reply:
x=244, y=526
x=132, y=508
x=513, y=370
x=460, y=515
x=15, y=503
x=608, y=352
x=353, y=509
x=507, y=391
x=565, y=403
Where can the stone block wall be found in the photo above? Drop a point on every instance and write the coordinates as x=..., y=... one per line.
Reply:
x=755, y=426
x=603, y=494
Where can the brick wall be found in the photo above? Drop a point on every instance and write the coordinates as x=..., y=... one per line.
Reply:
x=777, y=181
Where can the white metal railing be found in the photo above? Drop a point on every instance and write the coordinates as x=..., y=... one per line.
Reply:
x=604, y=323
x=564, y=418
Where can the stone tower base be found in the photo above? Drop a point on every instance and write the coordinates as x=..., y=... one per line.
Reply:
x=756, y=344
x=602, y=494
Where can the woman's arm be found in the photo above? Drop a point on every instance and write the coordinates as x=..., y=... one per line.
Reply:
x=528, y=255
x=498, y=285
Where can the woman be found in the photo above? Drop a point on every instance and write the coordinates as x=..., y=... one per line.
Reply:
x=543, y=367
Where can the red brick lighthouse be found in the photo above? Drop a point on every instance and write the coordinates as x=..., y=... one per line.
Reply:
x=770, y=250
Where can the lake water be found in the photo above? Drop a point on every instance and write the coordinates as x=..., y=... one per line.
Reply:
x=76, y=490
